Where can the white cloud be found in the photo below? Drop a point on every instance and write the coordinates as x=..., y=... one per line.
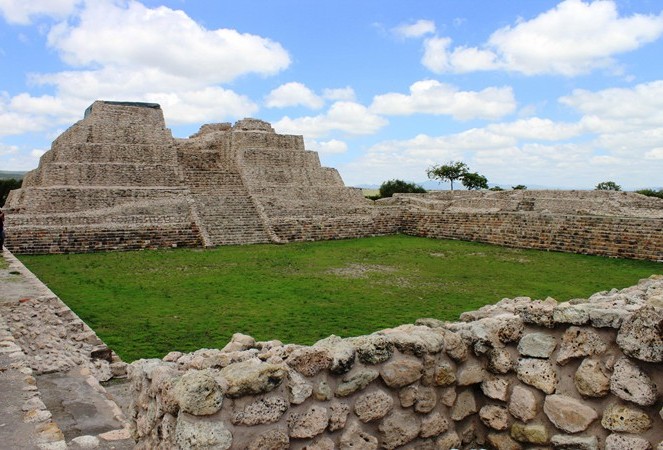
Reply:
x=347, y=117
x=346, y=94
x=22, y=12
x=433, y=97
x=293, y=94
x=535, y=128
x=573, y=38
x=417, y=29
x=7, y=149
x=333, y=146
x=655, y=153
x=132, y=36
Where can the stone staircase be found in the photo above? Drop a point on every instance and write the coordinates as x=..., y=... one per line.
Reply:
x=226, y=212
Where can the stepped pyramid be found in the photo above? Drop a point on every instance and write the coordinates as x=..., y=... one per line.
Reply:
x=119, y=180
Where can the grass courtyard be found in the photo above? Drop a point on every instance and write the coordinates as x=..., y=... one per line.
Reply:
x=146, y=303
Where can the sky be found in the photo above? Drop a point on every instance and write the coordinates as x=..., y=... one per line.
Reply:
x=558, y=94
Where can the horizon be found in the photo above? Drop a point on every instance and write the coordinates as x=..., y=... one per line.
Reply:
x=549, y=93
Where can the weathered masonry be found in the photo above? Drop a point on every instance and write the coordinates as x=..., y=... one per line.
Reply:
x=118, y=180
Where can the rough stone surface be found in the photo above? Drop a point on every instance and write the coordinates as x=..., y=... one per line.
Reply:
x=402, y=372
x=373, y=406
x=640, y=335
x=433, y=424
x=274, y=439
x=354, y=438
x=537, y=345
x=622, y=442
x=577, y=342
x=523, y=404
x=252, y=377
x=398, y=429
x=341, y=353
x=631, y=383
x=465, y=405
x=198, y=393
x=534, y=433
x=195, y=433
x=338, y=415
x=568, y=414
x=310, y=360
x=445, y=375
x=538, y=373
x=356, y=381
x=308, y=424
x=566, y=442
x=495, y=388
x=499, y=361
x=298, y=388
x=264, y=410
x=591, y=379
x=495, y=417
x=470, y=373
x=448, y=441
x=625, y=419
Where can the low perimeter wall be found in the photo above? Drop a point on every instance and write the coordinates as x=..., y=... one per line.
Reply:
x=583, y=374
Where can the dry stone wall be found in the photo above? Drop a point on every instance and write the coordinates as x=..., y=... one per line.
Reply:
x=582, y=374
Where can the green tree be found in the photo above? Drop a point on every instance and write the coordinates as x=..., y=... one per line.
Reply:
x=608, y=186
x=453, y=170
x=474, y=181
x=519, y=187
x=651, y=192
x=391, y=187
x=6, y=186
x=496, y=188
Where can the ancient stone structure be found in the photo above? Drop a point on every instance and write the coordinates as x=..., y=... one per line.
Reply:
x=119, y=180
x=583, y=374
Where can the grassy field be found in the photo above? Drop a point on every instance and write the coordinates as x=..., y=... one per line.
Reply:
x=144, y=304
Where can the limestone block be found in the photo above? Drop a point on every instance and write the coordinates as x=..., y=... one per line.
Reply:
x=354, y=438
x=356, y=381
x=502, y=441
x=625, y=419
x=538, y=373
x=398, y=428
x=621, y=442
x=537, y=345
x=298, y=388
x=495, y=388
x=341, y=352
x=495, y=417
x=566, y=442
x=372, y=349
x=464, y=406
x=338, y=415
x=455, y=347
x=539, y=312
x=198, y=393
x=448, y=441
x=426, y=399
x=322, y=391
x=607, y=316
x=239, y=342
x=568, y=414
x=499, y=361
x=197, y=433
x=310, y=360
x=373, y=406
x=252, y=377
x=273, y=439
x=408, y=395
x=308, y=424
x=415, y=340
x=640, y=335
x=321, y=443
x=534, y=433
x=631, y=383
x=263, y=410
x=591, y=379
x=401, y=372
x=571, y=314
x=433, y=424
x=448, y=396
x=577, y=342
x=444, y=375
x=471, y=372
x=523, y=404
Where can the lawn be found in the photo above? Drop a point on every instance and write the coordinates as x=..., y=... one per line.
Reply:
x=147, y=303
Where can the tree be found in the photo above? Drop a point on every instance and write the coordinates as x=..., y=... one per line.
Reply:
x=651, y=192
x=6, y=186
x=474, y=181
x=453, y=170
x=391, y=187
x=519, y=187
x=496, y=188
x=608, y=186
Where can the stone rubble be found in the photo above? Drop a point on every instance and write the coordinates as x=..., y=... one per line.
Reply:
x=428, y=385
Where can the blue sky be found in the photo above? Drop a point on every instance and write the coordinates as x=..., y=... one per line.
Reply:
x=543, y=93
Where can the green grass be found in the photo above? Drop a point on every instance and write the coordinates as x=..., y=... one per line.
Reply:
x=144, y=304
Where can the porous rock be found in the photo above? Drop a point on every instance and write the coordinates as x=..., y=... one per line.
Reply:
x=625, y=419
x=464, y=406
x=495, y=417
x=342, y=354
x=591, y=379
x=398, y=428
x=356, y=381
x=577, y=342
x=568, y=414
x=239, y=342
x=196, y=433
x=252, y=377
x=502, y=441
x=631, y=383
x=308, y=424
x=198, y=393
x=448, y=441
x=444, y=375
x=495, y=388
x=471, y=372
x=401, y=372
x=338, y=415
x=566, y=442
x=533, y=433
x=263, y=410
x=310, y=360
x=537, y=345
x=373, y=406
x=499, y=361
x=298, y=388
x=523, y=404
x=571, y=314
x=641, y=335
x=538, y=373
x=539, y=312
x=433, y=424
x=621, y=442
x=426, y=399
x=372, y=349
x=274, y=439
x=355, y=438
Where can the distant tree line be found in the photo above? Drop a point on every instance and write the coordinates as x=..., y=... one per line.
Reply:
x=6, y=186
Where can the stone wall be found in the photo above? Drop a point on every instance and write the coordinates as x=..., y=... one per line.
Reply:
x=583, y=374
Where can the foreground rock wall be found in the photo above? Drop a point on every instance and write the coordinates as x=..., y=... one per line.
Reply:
x=583, y=374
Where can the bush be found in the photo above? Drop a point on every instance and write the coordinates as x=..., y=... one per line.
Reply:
x=608, y=186
x=6, y=186
x=391, y=187
x=651, y=192
x=519, y=187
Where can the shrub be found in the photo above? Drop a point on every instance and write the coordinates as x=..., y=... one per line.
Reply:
x=391, y=187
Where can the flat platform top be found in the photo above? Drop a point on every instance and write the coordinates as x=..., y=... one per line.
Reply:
x=88, y=110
